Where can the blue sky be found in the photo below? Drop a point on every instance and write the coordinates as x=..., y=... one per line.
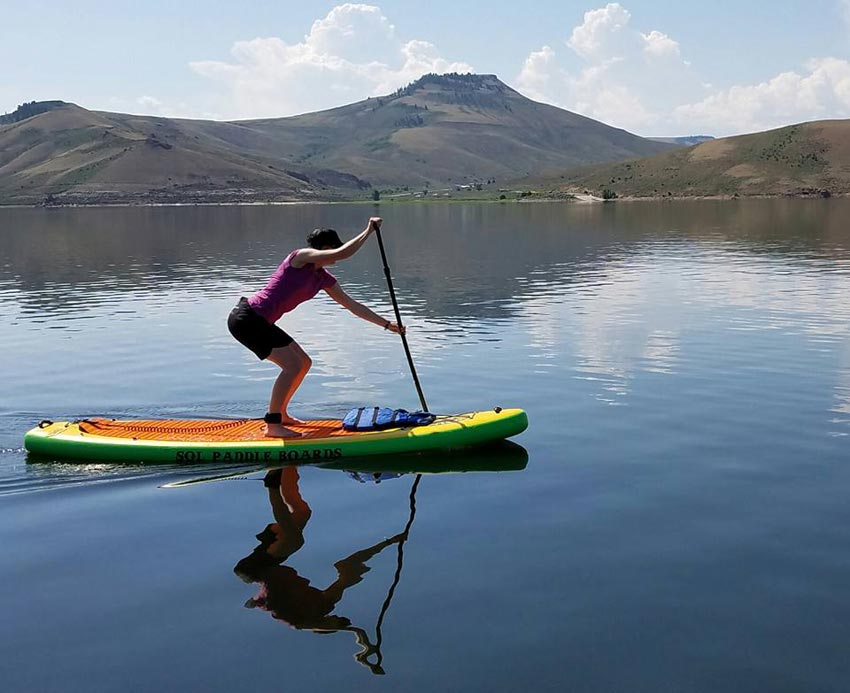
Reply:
x=655, y=68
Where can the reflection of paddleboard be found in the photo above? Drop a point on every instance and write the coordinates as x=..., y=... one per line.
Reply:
x=242, y=441
x=503, y=456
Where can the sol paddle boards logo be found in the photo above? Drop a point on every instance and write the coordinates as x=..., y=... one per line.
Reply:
x=184, y=456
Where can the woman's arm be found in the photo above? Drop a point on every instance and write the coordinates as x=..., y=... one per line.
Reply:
x=361, y=311
x=307, y=256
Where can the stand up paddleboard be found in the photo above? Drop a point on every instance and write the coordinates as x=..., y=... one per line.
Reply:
x=243, y=440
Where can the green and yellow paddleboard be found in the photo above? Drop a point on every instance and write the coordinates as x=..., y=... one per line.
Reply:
x=242, y=441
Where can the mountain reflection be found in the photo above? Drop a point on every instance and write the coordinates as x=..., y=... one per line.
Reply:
x=449, y=261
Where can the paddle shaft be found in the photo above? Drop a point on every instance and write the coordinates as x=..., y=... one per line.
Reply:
x=379, y=637
x=398, y=320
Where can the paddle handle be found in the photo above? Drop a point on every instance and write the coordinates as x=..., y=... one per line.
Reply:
x=398, y=320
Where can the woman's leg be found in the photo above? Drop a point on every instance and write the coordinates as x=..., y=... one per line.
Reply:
x=294, y=364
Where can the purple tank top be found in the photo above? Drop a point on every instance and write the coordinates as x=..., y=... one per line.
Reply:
x=288, y=287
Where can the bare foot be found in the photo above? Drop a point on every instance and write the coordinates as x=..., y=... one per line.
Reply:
x=288, y=420
x=280, y=431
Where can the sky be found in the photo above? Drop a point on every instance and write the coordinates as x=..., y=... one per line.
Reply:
x=652, y=67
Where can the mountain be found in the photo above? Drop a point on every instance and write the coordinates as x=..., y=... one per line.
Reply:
x=439, y=130
x=451, y=128
x=805, y=159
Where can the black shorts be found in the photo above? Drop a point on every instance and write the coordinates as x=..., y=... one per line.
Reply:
x=254, y=331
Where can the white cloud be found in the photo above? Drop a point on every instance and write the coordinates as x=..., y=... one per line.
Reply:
x=660, y=45
x=349, y=29
x=535, y=79
x=822, y=90
x=640, y=81
x=603, y=33
x=351, y=53
x=628, y=78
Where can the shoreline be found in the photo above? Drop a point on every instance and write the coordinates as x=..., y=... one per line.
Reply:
x=573, y=198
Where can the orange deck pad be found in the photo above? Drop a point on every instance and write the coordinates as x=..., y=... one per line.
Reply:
x=212, y=431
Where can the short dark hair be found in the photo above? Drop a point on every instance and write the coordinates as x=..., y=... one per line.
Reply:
x=323, y=238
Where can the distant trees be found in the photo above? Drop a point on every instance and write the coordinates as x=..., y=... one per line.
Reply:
x=30, y=109
x=376, y=194
x=609, y=194
x=410, y=121
x=454, y=80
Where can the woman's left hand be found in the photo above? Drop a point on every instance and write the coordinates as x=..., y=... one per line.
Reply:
x=394, y=327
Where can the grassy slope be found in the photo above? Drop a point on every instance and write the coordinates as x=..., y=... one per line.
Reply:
x=798, y=159
x=79, y=151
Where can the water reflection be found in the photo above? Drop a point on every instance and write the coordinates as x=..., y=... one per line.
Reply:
x=291, y=598
x=288, y=596
x=475, y=261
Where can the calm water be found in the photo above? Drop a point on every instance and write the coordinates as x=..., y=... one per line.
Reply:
x=675, y=520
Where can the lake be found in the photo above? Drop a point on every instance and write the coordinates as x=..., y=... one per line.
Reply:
x=674, y=519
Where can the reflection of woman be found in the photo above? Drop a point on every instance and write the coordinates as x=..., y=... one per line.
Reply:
x=283, y=592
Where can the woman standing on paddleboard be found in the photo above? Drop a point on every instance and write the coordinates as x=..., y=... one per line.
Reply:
x=299, y=277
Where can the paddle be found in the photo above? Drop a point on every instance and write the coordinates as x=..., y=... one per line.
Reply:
x=406, y=534
x=398, y=319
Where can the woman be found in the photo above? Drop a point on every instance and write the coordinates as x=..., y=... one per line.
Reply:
x=298, y=278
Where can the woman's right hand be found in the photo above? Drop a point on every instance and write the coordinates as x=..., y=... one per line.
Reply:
x=375, y=223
